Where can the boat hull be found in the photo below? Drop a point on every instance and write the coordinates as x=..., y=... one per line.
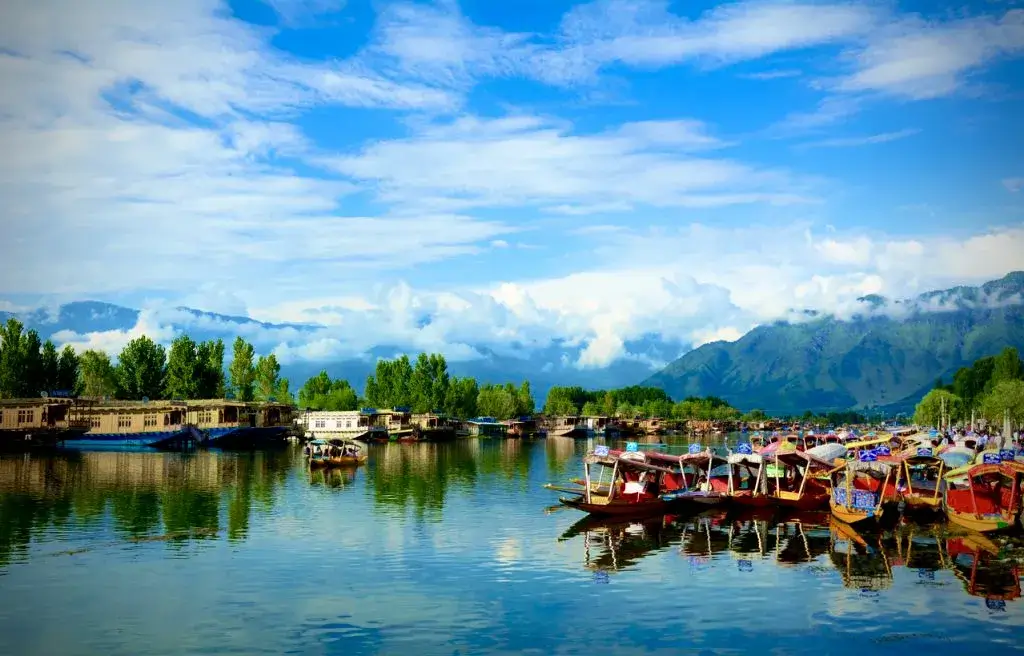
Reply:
x=620, y=509
x=168, y=440
x=260, y=437
x=980, y=523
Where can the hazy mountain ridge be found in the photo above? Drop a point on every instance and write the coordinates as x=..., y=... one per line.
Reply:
x=886, y=355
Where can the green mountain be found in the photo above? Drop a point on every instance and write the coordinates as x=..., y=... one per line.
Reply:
x=887, y=356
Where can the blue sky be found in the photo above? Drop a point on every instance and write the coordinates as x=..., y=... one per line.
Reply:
x=517, y=171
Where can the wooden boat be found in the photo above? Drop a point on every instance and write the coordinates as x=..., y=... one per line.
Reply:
x=988, y=497
x=797, y=479
x=699, y=484
x=863, y=489
x=336, y=452
x=634, y=485
x=920, y=482
x=747, y=482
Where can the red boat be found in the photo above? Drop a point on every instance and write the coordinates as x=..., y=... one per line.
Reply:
x=990, y=497
x=627, y=483
x=797, y=479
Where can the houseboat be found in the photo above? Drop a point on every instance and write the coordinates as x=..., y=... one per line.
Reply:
x=486, y=427
x=398, y=422
x=45, y=421
x=213, y=423
x=430, y=427
x=572, y=426
x=340, y=424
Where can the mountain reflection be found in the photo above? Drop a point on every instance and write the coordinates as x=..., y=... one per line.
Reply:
x=987, y=567
x=143, y=495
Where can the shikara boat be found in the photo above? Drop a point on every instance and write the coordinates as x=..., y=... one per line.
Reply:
x=696, y=470
x=747, y=481
x=634, y=486
x=988, y=497
x=797, y=479
x=863, y=489
x=921, y=481
x=336, y=452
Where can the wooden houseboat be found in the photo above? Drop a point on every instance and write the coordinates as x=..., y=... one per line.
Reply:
x=329, y=424
x=212, y=423
x=573, y=426
x=398, y=422
x=45, y=421
x=486, y=427
x=429, y=427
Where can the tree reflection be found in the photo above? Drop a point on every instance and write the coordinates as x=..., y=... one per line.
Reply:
x=135, y=495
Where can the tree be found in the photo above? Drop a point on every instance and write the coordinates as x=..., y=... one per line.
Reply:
x=498, y=401
x=755, y=416
x=563, y=401
x=141, y=369
x=461, y=400
x=527, y=406
x=1006, y=366
x=1006, y=396
x=242, y=372
x=429, y=383
x=267, y=373
x=929, y=411
x=591, y=409
x=210, y=357
x=97, y=377
x=322, y=393
x=32, y=374
x=390, y=386
x=67, y=370
x=11, y=360
x=50, y=366
x=184, y=371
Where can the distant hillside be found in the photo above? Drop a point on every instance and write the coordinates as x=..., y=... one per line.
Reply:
x=887, y=356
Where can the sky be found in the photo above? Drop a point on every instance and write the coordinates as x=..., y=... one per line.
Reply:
x=493, y=172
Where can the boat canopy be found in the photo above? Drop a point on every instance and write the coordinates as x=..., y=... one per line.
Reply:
x=957, y=457
x=828, y=452
x=753, y=459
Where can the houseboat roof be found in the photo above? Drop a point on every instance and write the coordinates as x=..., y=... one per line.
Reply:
x=34, y=402
x=484, y=420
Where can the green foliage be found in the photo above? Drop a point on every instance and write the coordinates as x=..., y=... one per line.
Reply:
x=754, y=415
x=141, y=369
x=183, y=380
x=268, y=377
x=50, y=366
x=390, y=386
x=929, y=412
x=462, y=396
x=504, y=401
x=1006, y=397
x=32, y=364
x=11, y=360
x=322, y=393
x=96, y=375
x=626, y=401
x=210, y=360
x=704, y=409
x=1006, y=367
x=67, y=370
x=242, y=371
x=429, y=384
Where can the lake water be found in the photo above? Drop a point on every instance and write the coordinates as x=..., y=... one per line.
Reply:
x=454, y=549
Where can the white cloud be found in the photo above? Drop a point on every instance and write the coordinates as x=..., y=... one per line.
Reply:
x=849, y=142
x=299, y=12
x=526, y=160
x=919, y=59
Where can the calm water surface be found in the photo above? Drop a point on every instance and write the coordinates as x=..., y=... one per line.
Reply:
x=455, y=549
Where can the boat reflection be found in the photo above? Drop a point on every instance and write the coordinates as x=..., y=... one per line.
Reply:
x=870, y=563
x=333, y=477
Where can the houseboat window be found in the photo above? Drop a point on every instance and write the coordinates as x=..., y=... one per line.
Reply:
x=1, y=416
x=94, y=422
x=220, y=416
x=26, y=416
x=149, y=421
x=320, y=423
x=124, y=421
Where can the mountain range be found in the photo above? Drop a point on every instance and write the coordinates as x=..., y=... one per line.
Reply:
x=886, y=355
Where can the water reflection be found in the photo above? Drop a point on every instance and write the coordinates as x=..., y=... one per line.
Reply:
x=145, y=495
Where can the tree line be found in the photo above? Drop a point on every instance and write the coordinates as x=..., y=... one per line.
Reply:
x=423, y=386
x=637, y=401
x=988, y=389
x=143, y=369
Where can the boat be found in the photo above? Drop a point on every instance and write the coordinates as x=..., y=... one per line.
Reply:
x=921, y=481
x=797, y=479
x=700, y=484
x=337, y=452
x=986, y=498
x=864, y=489
x=747, y=481
x=635, y=486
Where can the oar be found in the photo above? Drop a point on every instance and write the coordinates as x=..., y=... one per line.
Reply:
x=558, y=488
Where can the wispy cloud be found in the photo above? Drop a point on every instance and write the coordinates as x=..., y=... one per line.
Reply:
x=301, y=12
x=1013, y=185
x=850, y=142
x=772, y=75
